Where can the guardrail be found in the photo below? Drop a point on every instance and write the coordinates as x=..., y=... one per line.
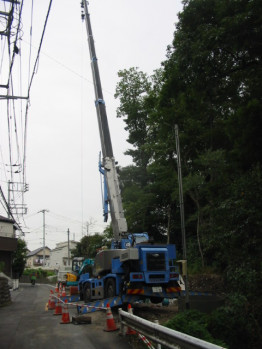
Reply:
x=162, y=335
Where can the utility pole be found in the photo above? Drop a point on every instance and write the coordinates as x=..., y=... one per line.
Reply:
x=182, y=216
x=43, y=211
x=9, y=200
x=68, y=251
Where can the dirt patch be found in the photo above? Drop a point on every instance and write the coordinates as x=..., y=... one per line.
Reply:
x=153, y=312
x=212, y=283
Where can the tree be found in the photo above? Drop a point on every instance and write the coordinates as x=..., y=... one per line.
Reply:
x=132, y=89
x=19, y=258
x=210, y=86
x=90, y=244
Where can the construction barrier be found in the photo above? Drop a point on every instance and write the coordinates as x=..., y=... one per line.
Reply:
x=146, y=341
x=73, y=290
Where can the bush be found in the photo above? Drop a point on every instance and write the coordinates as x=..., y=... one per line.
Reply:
x=39, y=272
x=193, y=323
x=236, y=324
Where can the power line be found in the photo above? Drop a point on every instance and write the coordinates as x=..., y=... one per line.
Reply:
x=15, y=46
x=30, y=84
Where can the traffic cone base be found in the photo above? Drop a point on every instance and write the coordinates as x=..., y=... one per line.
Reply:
x=65, y=314
x=110, y=322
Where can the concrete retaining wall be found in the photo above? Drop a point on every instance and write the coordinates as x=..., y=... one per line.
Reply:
x=205, y=304
x=5, y=297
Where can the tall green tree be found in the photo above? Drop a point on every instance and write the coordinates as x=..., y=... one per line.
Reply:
x=19, y=258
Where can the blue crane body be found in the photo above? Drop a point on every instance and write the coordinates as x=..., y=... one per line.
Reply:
x=134, y=265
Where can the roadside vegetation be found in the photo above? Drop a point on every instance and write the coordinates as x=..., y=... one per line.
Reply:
x=39, y=272
x=19, y=258
x=210, y=86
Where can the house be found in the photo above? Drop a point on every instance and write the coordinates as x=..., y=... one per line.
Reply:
x=35, y=259
x=8, y=244
x=59, y=255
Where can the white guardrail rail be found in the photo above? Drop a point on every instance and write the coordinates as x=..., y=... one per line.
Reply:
x=162, y=335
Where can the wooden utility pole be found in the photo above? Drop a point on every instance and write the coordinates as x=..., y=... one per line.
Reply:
x=182, y=215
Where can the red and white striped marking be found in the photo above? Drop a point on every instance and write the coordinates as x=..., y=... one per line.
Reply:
x=146, y=341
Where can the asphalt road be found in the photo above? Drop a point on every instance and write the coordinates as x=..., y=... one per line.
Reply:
x=25, y=324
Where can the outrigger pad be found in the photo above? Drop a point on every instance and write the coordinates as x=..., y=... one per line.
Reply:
x=81, y=319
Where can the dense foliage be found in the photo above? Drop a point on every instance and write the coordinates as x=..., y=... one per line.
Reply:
x=19, y=258
x=195, y=324
x=210, y=86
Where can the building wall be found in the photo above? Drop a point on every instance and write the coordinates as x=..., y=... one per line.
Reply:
x=6, y=259
x=7, y=248
x=59, y=256
x=7, y=230
x=36, y=261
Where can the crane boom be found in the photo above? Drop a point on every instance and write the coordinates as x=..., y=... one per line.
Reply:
x=119, y=223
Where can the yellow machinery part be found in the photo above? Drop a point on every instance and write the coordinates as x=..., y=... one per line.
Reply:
x=71, y=277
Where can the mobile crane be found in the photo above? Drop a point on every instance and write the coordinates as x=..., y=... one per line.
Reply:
x=133, y=265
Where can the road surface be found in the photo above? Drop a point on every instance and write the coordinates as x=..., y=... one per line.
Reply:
x=25, y=324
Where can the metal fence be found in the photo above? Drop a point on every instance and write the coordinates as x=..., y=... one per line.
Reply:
x=162, y=335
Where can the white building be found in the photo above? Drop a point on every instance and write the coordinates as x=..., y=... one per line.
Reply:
x=59, y=255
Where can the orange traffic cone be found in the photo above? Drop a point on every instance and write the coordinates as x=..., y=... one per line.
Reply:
x=130, y=330
x=60, y=288
x=58, y=307
x=65, y=314
x=50, y=297
x=51, y=303
x=56, y=288
x=64, y=292
x=110, y=322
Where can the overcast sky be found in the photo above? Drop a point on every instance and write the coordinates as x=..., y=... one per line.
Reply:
x=63, y=140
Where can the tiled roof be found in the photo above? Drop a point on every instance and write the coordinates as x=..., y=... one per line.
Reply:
x=32, y=253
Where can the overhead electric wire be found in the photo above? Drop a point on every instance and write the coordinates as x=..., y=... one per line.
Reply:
x=30, y=46
x=29, y=88
x=16, y=37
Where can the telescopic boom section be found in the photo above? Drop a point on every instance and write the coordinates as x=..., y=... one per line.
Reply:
x=119, y=224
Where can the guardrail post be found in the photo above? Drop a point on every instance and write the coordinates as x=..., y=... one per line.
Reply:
x=122, y=327
x=158, y=345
